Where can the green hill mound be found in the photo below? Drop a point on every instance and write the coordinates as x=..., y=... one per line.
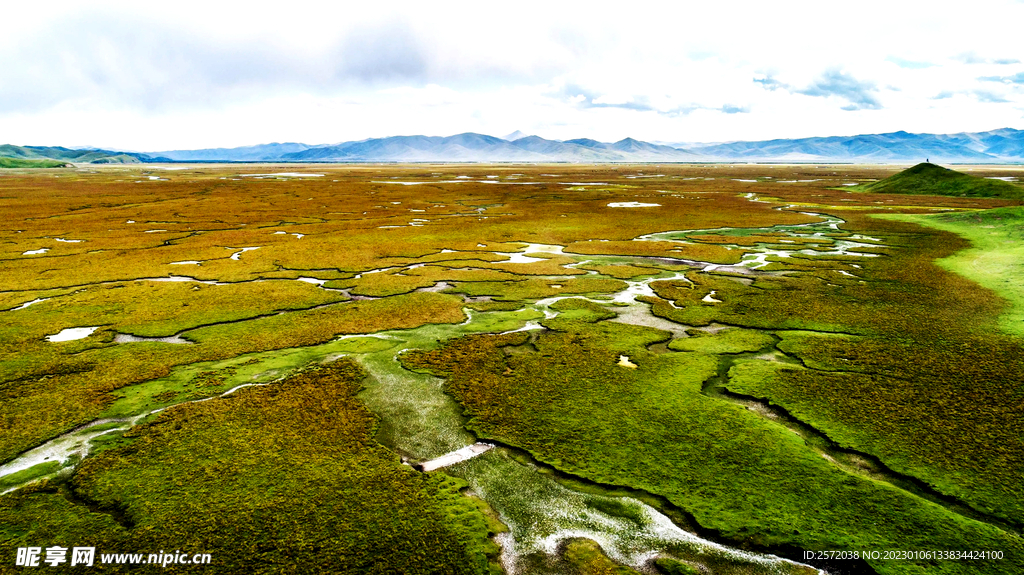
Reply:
x=57, y=153
x=932, y=180
x=22, y=163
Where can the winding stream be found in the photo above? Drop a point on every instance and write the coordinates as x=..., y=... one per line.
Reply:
x=425, y=426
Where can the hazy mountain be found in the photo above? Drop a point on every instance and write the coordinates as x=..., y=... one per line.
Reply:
x=643, y=151
x=242, y=154
x=470, y=147
x=1003, y=145
x=513, y=136
x=998, y=145
x=566, y=151
x=631, y=150
x=587, y=142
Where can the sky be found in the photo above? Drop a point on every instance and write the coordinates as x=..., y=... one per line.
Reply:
x=147, y=76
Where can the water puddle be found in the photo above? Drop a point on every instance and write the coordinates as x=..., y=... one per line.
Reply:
x=632, y=205
x=530, y=326
x=517, y=258
x=542, y=249
x=186, y=263
x=238, y=255
x=28, y=303
x=641, y=288
x=374, y=271
x=66, y=241
x=71, y=334
x=282, y=175
x=710, y=298
x=437, y=287
x=457, y=456
x=128, y=338
x=35, y=252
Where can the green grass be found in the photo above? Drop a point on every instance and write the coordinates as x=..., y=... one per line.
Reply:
x=570, y=405
x=728, y=341
x=996, y=256
x=910, y=405
x=283, y=478
x=929, y=179
x=587, y=558
x=672, y=567
x=20, y=163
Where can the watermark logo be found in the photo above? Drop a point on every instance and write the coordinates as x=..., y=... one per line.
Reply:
x=86, y=556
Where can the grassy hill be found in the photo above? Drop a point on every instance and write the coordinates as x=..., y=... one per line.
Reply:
x=56, y=153
x=929, y=179
x=21, y=163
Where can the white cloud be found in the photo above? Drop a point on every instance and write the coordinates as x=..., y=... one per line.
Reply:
x=132, y=75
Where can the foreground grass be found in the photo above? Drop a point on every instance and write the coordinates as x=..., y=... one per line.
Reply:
x=285, y=478
x=651, y=428
x=899, y=391
x=996, y=256
x=52, y=388
x=926, y=388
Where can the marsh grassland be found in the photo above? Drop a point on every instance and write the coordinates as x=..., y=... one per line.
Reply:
x=681, y=369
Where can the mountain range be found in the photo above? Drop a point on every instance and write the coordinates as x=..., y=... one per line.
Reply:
x=995, y=146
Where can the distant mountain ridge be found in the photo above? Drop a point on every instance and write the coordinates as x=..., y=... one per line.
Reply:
x=243, y=154
x=995, y=146
x=471, y=147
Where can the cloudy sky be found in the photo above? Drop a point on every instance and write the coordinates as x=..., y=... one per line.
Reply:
x=208, y=74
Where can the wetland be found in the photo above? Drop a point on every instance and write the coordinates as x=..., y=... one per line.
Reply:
x=410, y=369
